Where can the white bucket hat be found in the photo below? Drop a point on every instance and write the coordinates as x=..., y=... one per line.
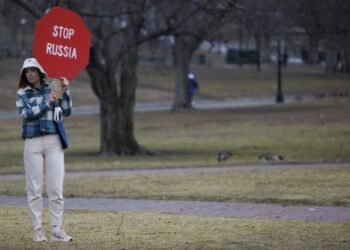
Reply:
x=191, y=76
x=32, y=63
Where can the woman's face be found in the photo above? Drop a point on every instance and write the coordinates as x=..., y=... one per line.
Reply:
x=32, y=75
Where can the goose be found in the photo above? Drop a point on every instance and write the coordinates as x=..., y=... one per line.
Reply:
x=223, y=155
x=271, y=157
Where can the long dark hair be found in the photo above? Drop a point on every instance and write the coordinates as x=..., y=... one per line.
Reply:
x=23, y=81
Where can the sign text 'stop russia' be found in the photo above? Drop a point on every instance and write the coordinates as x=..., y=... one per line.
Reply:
x=62, y=43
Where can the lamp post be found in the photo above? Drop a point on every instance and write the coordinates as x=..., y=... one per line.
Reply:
x=23, y=24
x=279, y=94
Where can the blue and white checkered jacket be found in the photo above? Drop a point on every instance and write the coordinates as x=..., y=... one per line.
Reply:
x=36, y=113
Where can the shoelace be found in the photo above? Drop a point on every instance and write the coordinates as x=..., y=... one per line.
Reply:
x=40, y=233
x=61, y=234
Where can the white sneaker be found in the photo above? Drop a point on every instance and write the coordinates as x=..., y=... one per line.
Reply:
x=61, y=235
x=39, y=235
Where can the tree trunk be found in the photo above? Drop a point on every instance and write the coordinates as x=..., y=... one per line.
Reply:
x=346, y=60
x=258, y=49
x=117, y=128
x=116, y=104
x=182, y=64
x=313, y=50
x=331, y=61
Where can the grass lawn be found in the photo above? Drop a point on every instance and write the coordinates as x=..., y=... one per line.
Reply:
x=300, y=132
x=106, y=230
x=219, y=81
x=329, y=187
x=305, y=131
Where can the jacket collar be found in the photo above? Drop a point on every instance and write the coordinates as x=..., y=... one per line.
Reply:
x=29, y=87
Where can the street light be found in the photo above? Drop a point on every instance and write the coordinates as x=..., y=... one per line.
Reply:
x=23, y=24
x=279, y=94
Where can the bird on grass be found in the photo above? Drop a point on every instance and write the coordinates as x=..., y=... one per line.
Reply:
x=271, y=157
x=223, y=155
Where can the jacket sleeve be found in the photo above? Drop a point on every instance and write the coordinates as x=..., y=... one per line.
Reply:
x=66, y=104
x=30, y=111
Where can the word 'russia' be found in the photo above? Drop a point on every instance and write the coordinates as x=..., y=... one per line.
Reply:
x=59, y=49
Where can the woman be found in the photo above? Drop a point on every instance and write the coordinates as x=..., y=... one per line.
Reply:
x=192, y=87
x=43, y=152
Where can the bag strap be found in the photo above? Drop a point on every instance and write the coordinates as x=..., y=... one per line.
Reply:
x=57, y=114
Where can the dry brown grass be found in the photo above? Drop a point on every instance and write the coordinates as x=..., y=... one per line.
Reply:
x=300, y=132
x=304, y=131
x=216, y=81
x=324, y=187
x=99, y=230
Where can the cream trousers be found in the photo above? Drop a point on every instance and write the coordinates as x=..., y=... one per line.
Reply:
x=43, y=156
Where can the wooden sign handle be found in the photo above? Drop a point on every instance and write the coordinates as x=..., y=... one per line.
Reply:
x=56, y=86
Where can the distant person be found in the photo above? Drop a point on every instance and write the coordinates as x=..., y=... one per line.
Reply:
x=43, y=153
x=192, y=87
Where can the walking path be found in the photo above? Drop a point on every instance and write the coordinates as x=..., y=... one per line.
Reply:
x=199, y=104
x=201, y=208
x=212, y=169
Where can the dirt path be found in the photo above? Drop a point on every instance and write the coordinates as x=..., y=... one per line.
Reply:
x=200, y=208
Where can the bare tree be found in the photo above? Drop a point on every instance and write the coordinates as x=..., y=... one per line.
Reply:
x=198, y=20
x=327, y=24
x=114, y=52
x=118, y=28
x=15, y=27
x=306, y=14
x=264, y=20
x=336, y=25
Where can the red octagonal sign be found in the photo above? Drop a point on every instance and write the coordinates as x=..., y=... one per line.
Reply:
x=62, y=43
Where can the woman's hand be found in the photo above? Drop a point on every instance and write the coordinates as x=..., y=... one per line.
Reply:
x=65, y=84
x=51, y=98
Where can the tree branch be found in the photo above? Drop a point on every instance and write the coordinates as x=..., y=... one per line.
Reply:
x=29, y=8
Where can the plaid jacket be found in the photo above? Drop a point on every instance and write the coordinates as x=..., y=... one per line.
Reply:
x=36, y=113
